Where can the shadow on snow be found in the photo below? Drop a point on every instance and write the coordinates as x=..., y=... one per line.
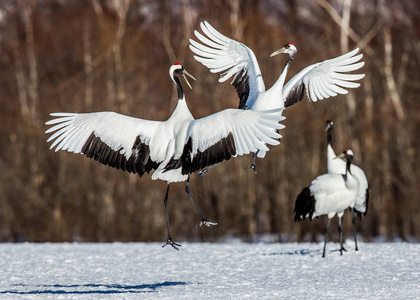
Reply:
x=297, y=252
x=94, y=288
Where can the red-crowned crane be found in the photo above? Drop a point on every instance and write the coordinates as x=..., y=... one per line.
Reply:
x=338, y=166
x=329, y=194
x=321, y=80
x=174, y=148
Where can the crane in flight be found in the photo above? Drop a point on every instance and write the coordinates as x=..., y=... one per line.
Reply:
x=320, y=80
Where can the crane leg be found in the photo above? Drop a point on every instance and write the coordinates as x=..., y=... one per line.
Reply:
x=340, y=231
x=203, y=173
x=169, y=240
x=353, y=220
x=252, y=166
x=325, y=237
x=203, y=221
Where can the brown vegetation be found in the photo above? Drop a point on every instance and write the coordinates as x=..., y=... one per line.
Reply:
x=114, y=55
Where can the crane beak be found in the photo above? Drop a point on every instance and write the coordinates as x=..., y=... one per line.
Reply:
x=185, y=77
x=278, y=52
x=339, y=156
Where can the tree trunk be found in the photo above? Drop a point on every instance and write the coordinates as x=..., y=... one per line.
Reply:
x=88, y=61
x=21, y=81
x=389, y=76
x=27, y=15
x=121, y=7
x=344, y=43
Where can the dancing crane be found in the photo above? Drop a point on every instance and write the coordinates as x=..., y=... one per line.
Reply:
x=321, y=80
x=338, y=166
x=174, y=148
x=329, y=194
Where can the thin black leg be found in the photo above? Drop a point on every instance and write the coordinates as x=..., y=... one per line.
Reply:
x=326, y=236
x=353, y=220
x=202, y=219
x=169, y=240
x=252, y=167
x=340, y=231
x=204, y=172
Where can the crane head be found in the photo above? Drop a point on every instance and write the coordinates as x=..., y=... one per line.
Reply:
x=347, y=154
x=329, y=124
x=288, y=48
x=178, y=70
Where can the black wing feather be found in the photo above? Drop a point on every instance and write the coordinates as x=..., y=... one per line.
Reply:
x=241, y=84
x=139, y=161
x=222, y=150
x=295, y=96
x=304, y=205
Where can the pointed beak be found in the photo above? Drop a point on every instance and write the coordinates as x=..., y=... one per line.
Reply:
x=185, y=77
x=278, y=52
x=339, y=156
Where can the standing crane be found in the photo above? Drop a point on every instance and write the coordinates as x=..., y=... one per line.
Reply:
x=321, y=80
x=329, y=194
x=338, y=166
x=174, y=148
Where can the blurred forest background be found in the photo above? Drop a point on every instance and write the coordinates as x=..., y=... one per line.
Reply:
x=98, y=55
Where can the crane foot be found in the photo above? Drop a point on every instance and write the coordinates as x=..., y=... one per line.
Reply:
x=171, y=243
x=205, y=222
x=251, y=167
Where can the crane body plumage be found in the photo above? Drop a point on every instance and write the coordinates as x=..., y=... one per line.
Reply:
x=174, y=148
x=333, y=186
x=321, y=80
x=234, y=59
x=328, y=194
x=338, y=166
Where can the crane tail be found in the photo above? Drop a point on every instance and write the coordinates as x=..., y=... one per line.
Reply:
x=304, y=205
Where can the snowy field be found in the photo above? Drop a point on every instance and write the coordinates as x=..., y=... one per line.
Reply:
x=231, y=270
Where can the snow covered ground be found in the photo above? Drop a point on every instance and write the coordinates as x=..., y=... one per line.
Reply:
x=231, y=270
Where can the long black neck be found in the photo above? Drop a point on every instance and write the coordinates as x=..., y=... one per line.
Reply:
x=287, y=64
x=179, y=87
x=329, y=136
x=348, y=164
x=282, y=78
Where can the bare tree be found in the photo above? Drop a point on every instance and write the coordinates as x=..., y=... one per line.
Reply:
x=88, y=61
x=121, y=8
x=344, y=43
x=236, y=20
x=27, y=9
x=389, y=75
x=20, y=75
x=176, y=53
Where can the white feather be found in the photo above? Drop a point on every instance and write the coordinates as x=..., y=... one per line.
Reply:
x=338, y=166
x=222, y=54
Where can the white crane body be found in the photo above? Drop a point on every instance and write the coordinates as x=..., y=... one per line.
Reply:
x=334, y=194
x=338, y=166
x=329, y=194
x=234, y=59
x=174, y=148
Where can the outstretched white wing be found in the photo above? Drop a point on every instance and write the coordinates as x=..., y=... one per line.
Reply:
x=115, y=140
x=222, y=54
x=325, y=79
x=230, y=132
